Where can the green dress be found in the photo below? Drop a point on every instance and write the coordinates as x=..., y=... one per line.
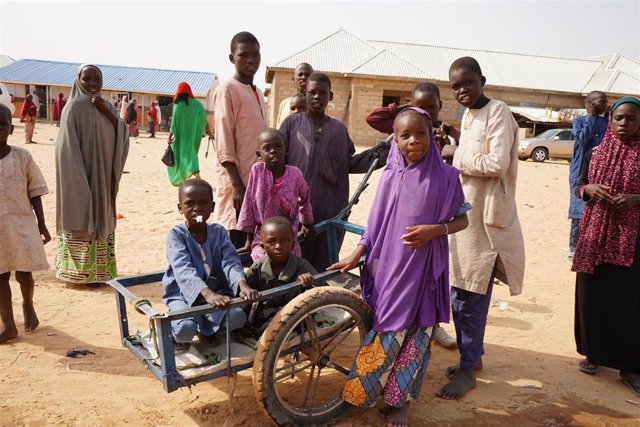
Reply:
x=187, y=126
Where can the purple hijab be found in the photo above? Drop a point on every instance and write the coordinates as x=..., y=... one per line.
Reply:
x=409, y=287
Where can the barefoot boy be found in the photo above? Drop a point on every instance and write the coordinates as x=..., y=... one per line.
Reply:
x=21, y=233
x=204, y=268
x=492, y=246
x=240, y=115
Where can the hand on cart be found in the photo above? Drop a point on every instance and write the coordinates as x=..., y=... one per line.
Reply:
x=247, y=293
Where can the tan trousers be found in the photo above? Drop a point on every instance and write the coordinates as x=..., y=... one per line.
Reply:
x=29, y=127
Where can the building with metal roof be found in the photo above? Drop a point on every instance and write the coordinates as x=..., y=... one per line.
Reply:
x=48, y=78
x=367, y=74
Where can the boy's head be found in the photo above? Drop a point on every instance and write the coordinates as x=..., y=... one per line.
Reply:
x=597, y=101
x=300, y=76
x=271, y=149
x=277, y=239
x=195, y=199
x=466, y=81
x=245, y=54
x=412, y=129
x=318, y=92
x=6, y=128
x=298, y=103
x=426, y=96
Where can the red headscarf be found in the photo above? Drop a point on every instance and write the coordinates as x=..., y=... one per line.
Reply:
x=28, y=107
x=184, y=88
x=607, y=235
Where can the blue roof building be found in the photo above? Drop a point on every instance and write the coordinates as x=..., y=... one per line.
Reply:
x=48, y=78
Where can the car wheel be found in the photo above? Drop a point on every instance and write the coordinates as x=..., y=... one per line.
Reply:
x=540, y=154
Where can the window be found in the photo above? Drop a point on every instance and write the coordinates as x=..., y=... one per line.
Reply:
x=565, y=135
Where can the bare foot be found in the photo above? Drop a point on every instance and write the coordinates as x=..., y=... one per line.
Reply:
x=451, y=370
x=385, y=411
x=461, y=382
x=398, y=417
x=9, y=333
x=31, y=321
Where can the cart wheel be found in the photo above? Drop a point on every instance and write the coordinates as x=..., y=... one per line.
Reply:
x=303, y=358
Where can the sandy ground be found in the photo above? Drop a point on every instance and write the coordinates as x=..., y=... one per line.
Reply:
x=530, y=375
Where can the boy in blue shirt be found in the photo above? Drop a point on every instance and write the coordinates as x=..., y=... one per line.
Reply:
x=588, y=132
x=204, y=268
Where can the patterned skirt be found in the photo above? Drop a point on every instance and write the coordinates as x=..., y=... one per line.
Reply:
x=389, y=364
x=85, y=262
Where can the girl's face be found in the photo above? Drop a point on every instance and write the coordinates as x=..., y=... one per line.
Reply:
x=428, y=102
x=466, y=86
x=625, y=120
x=271, y=151
x=413, y=136
x=91, y=80
x=195, y=201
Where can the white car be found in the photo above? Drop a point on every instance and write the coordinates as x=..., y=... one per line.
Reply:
x=6, y=98
x=556, y=143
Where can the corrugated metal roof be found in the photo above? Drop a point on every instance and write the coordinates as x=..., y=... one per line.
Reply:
x=116, y=78
x=345, y=53
x=501, y=68
x=339, y=52
x=624, y=83
x=388, y=63
x=5, y=60
x=545, y=115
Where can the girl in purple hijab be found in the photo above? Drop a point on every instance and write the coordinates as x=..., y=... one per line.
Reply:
x=405, y=279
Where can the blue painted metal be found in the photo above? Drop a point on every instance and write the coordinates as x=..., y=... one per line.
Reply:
x=166, y=373
x=115, y=78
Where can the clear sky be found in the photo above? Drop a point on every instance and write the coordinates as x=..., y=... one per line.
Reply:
x=195, y=35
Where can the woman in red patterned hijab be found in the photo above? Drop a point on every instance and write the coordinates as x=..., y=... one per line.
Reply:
x=607, y=259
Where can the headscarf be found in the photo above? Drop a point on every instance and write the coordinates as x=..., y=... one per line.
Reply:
x=607, y=235
x=132, y=112
x=404, y=286
x=90, y=157
x=123, y=107
x=58, y=105
x=28, y=107
x=184, y=87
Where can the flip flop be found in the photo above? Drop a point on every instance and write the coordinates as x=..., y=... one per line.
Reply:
x=587, y=367
x=634, y=386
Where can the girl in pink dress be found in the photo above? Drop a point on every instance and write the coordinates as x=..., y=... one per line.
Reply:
x=274, y=189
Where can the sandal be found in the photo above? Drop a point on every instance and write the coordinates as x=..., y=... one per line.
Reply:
x=587, y=367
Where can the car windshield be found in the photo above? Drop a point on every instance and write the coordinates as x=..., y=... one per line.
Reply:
x=548, y=134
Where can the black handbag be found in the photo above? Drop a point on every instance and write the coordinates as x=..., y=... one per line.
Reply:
x=167, y=157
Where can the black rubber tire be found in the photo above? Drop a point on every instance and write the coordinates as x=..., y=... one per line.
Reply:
x=539, y=154
x=268, y=349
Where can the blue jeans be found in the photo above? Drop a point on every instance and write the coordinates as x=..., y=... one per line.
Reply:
x=574, y=233
x=470, y=311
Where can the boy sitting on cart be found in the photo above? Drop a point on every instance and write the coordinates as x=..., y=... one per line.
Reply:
x=278, y=268
x=204, y=268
